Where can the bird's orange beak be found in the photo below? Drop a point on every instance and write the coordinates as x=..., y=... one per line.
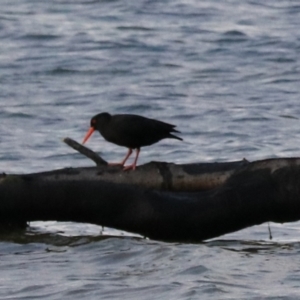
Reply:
x=88, y=134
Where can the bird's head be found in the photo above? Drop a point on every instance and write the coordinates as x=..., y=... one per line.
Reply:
x=97, y=122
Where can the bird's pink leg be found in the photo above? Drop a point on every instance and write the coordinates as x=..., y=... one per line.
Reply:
x=133, y=166
x=122, y=163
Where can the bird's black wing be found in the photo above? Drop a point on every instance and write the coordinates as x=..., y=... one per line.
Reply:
x=135, y=131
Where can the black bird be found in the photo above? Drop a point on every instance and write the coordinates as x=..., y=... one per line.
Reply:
x=131, y=131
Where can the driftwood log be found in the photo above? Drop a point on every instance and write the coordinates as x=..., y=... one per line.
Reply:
x=185, y=203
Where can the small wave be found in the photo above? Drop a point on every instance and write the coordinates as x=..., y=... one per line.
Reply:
x=288, y=117
x=40, y=37
x=170, y=65
x=16, y=115
x=61, y=70
x=234, y=33
x=281, y=81
x=194, y=270
x=134, y=108
x=282, y=60
x=134, y=28
x=233, y=36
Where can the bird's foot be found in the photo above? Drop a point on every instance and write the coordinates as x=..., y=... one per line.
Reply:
x=130, y=167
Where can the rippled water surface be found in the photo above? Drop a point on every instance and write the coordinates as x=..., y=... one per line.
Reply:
x=227, y=73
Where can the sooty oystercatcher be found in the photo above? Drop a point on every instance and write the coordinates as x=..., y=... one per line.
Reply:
x=131, y=131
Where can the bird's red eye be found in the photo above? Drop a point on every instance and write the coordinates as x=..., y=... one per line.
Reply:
x=93, y=121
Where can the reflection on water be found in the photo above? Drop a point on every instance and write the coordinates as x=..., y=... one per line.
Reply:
x=113, y=265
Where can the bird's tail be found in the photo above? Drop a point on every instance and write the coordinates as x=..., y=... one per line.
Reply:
x=172, y=136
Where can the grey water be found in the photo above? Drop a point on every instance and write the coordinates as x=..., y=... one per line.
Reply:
x=227, y=73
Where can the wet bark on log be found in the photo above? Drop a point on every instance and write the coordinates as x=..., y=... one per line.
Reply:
x=154, y=175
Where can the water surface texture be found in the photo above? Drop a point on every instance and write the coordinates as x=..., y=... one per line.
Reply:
x=227, y=73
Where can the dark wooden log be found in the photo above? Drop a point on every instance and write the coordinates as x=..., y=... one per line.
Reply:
x=154, y=175
x=254, y=193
